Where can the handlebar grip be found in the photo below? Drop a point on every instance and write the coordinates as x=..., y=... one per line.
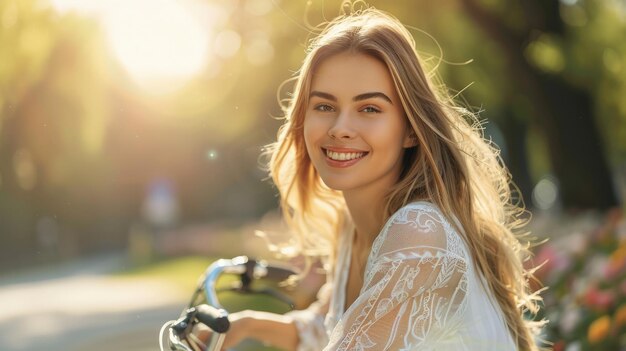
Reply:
x=214, y=318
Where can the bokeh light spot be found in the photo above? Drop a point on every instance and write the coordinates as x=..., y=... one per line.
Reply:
x=211, y=155
x=227, y=43
x=260, y=52
x=25, y=171
x=258, y=7
x=545, y=193
x=546, y=54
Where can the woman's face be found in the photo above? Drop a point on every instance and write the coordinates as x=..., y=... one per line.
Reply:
x=354, y=128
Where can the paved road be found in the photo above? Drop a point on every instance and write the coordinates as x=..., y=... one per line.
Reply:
x=78, y=306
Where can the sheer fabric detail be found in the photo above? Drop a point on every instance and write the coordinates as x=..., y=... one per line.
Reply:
x=420, y=292
x=310, y=322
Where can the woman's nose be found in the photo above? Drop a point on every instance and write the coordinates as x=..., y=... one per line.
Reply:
x=342, y=128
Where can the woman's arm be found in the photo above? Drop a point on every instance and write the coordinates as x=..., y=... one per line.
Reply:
x=269, y=328
x=301, y=330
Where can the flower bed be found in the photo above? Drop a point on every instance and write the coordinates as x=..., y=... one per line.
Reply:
x=585, y=273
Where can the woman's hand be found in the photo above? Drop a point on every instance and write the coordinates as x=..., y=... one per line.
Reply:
x=269, y=328
x=235, y=334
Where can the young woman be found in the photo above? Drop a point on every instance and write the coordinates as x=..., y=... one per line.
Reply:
x=382, y=174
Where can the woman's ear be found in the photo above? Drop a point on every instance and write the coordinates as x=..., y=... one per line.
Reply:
x=410, y=140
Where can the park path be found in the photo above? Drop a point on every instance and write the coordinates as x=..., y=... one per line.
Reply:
x=79, y=306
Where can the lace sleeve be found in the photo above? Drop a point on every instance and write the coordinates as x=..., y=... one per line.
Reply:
x=414, y=291
x=310, y=322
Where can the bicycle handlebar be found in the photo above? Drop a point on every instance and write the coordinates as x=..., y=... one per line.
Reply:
x=213, y=315
x=216, y=319
x=247, y=269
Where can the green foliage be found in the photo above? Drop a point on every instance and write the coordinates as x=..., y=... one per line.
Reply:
x=26, y=38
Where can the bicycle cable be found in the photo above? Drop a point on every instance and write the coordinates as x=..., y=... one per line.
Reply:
x=165, y=326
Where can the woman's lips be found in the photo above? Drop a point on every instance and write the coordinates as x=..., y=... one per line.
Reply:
x=343, y=157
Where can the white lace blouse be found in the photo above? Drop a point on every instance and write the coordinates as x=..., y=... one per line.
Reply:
x=420, y=292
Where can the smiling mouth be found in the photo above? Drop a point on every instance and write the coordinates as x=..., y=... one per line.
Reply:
x=343, y=156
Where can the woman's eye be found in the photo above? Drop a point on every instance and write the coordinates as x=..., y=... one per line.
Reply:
x=370, y=109
x=323, y=108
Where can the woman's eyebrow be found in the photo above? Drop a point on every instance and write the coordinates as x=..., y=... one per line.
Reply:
x=323, y=95
x=375, y=94
x=359, y=97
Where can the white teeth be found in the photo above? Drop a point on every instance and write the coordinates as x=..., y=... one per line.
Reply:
x=343, y=156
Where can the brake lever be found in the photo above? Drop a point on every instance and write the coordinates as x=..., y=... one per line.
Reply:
x=184, y=324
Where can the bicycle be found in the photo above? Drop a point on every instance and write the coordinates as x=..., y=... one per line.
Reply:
x=212, y=314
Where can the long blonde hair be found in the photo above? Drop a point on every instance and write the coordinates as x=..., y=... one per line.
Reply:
x=452, y=166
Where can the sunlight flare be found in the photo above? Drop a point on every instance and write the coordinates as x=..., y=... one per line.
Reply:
x=160, y=43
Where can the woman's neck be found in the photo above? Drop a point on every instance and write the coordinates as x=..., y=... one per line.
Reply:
x=367, y=215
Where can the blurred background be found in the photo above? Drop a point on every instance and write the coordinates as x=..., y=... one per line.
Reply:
x=131, y=131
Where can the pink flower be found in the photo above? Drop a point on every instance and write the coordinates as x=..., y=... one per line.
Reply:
x=559, y=346
x=599, y=299
x=553, y=263
x=616, y=263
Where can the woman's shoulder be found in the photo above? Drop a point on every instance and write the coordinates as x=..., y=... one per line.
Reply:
x=421, y=214
x=422, y=223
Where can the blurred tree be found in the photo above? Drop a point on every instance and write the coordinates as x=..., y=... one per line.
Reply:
x=26, y=40
x=52, y=133
x=532, y=36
